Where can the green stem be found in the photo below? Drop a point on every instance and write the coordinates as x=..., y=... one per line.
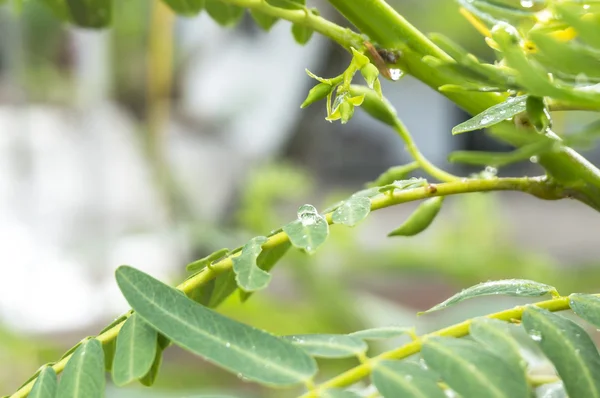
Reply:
x=343, y=36
x=383, y=24
x=539, y=380
x=423, y=162
x=536, y=186
x=459, y=330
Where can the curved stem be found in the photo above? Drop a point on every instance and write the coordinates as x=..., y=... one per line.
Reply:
x=423, y=162
x=536, y=186
x=459, y=330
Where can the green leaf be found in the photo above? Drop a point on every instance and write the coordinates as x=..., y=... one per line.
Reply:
x=266, y=261
x=301, y=33
x=377, y=107
x=587, y=307
x=263, y=20
x=499, y=159
x=150, y=377
x=317, y=93
x=83, y=376
x=90, y=13
x=329, y=345
x=247, y=274
x=570, y=349
x=59, y=9
x=288, y=4
x=46, y=384
x=506, y=287
x=232, y=345
x=203, y=262
x=493, y=115
x=352, y=211
x=395, y=379
x=381, y=333
x=420, y=219
x=338, y=393
x=309, y=231
x=473, y=372
x=185, y=7
x=109, y=348
x=222, y=13
x=394, y=173
x=587, y=29
x=225, y=285
x=496, y=336
x=567, y=57
x=551, y=390
x=136, y=349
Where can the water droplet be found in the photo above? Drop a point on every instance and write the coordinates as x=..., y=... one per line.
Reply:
x=581, y=80
x=533, y=159
x=228, y=344
x=396, y=74
x=586, y=6
x=491, y=170
x=308, y=215
x=526, y=3
x=422, y=364
x=486, y=119
x=535, y=335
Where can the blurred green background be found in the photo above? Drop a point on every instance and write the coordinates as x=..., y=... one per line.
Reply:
x=164, y=139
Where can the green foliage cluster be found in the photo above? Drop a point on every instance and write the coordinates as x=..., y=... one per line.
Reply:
x=514, y=97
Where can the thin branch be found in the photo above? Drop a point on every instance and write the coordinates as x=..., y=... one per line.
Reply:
x=459, y=330
x=537, y=186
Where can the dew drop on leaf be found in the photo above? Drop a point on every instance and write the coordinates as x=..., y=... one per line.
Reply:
x=533, y=159
x=535, y=335
x=308, y=215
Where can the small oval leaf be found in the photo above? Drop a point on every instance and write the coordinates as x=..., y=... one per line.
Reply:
x=287, y=4
x=90, y=13
x=329, y=345
x=352, y=211
x=266, y=261
x=587, y=307
x=506, y=287
x=136, y=349
x=496, y=336
x=150, y=377
x=224, y=286
x=46, y=384
x=301, y=33
x=263, y=20
x=493, y=115
x=395, y=379
x=570, y=349
x=473, y=372
x=309, y=231
x=185, y=7
x=203, y=262
x=222, y=13
x=83, y=376
x=393, y=174
x=382, y=333
x=421, y=218
x=338, y=393
x=247, y=273
x=232, y=345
